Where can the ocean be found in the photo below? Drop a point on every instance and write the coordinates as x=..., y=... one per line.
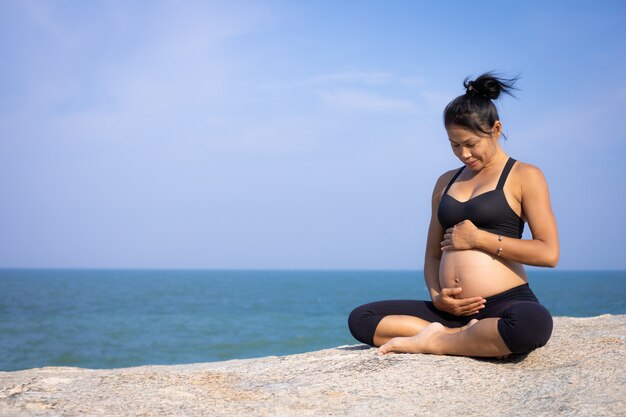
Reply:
x=118, y=318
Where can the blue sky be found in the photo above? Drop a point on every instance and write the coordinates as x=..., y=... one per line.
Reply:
x=291, y=135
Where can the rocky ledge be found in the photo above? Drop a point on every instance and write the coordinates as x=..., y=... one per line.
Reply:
x=581, y=372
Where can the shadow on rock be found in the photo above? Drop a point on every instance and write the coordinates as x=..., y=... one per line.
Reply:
x=356, y=347
x=512, y=358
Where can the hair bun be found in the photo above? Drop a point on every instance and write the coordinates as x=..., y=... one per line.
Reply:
x=489, y=85
x=471, y=90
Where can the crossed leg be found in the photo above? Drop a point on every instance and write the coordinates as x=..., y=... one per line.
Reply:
x=479, y=338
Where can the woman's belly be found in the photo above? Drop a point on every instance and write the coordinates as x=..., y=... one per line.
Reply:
x=479, y=274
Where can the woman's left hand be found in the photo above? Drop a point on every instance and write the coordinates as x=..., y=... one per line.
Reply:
x=460, y=237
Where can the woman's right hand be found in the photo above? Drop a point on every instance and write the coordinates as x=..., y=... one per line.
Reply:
x=446, y=301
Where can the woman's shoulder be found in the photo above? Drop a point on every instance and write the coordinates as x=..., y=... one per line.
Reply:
x=442, y=182
x=446, y=177
x=524, y=169
x=526, y=174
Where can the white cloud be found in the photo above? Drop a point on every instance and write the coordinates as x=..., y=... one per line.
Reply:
x=436, y=100
x=356, y=77
x=366, y=101
x=367, y=90
x=413, y=80
x=363, y=77
x=174, y=74
x=373, y=78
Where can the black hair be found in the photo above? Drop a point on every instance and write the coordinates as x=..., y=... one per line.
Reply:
x=475, y=110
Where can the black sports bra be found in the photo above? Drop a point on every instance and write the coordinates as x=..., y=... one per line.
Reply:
x=488, y=211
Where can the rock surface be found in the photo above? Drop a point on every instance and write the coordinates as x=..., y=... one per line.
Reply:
x=581, y=372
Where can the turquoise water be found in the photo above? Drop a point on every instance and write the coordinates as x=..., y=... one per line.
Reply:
x=109, y=318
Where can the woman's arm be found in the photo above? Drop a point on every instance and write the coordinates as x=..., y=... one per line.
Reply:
x=541, y=250
x=432, y=257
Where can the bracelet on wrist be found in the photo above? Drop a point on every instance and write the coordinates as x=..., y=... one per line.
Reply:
x=499, y=250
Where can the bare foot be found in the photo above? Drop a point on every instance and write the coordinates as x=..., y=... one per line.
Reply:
x=420, y=343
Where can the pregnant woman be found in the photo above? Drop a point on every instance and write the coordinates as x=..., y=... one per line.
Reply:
x=481, y=302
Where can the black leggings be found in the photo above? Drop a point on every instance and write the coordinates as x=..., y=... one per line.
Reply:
x=524, y=324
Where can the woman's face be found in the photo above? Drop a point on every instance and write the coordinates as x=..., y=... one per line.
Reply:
x=475, y=149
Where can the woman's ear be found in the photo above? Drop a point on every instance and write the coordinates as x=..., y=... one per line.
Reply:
x=496, y=130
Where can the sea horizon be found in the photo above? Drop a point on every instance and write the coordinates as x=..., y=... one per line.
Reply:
x=111, y=318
